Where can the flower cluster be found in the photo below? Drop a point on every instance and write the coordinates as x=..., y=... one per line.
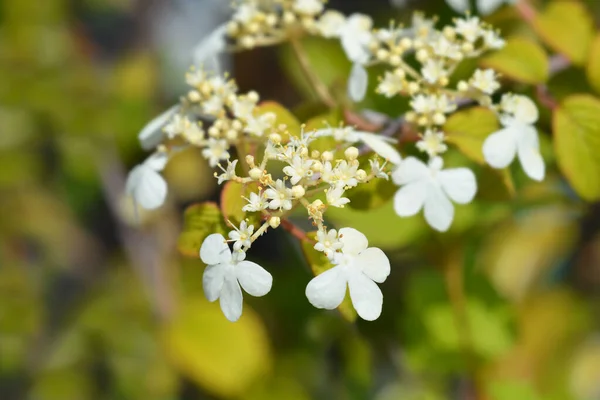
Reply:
x=284, y=169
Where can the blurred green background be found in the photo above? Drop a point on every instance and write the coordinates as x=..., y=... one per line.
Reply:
x=93, y=305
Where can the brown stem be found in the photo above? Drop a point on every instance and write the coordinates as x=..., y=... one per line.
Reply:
x=526, y=11
x=293, y=229
x=313, y=78
x=545, y=98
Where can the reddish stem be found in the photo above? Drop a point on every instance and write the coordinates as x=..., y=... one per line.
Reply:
x=526, y=11
x=293, y=229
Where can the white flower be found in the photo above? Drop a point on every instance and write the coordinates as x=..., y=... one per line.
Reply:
x=356, y=36
x=377, y=170
x=391, y=84
x=485, y=7
x=226, y=272
x=433, y=70
x=215, y=151
x=213, y=106
x=177, y=126
x=432, y=143
x=257, y=126
x=358, y=268
x=485, y=80
x=308, y=7
x=151, y=135
x=431, y=188
x=144, y=183
x=242, y=236
x=358, y=82
x=228, y=173
x=445, y=48
x=518, y=138
x=334, y=197
x=429, y=104
x=298, y=169
x=328, y=242
x=330, y=24
x=209, y=48
x=379, y=144
x=492, y=39
x=469, y=28
x=243, y=107
x=280, y=196
x=256, y=203
x=345, y=174
x=245, y=13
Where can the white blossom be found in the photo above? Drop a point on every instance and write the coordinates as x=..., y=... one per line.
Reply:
x=345, y=174
x=518, y=138
x=359, y=267
x=328, y=242
x=468, y=28
x=257, y=126
x=485, y=80
x=146, y=185
x=492, y=39
x=432, y=143
x=308, y=7
x=484, y=7
x=331, y=23
x=356, y=36
x=242, y=236
x=377, y=170
x=224, y=274
x=228, y=173
x=391, y=84
x=215, y=151
x=431, y=188
x=151, y=134
x=280, y=196
x=208, y=49
x=378, y=143
x=256, y=203
x=334, y=197
x=358, y=82
x=298, y=169
x=433, y=70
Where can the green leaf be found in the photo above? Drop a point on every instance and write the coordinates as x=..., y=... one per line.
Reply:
x=224, y=358
x=593, y=64
x=199, y=221
x=284, y=116
x=372, y=194
x=319, y=263
x=330, y=119
x=512, y=390
x=577, y=140
x=568, y=28
x=232, y=202
x=521, y=59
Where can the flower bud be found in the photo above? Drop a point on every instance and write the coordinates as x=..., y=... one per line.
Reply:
x=298, y=191
x=327, y=156
x=361, y=175
x=275, y=138
x=194, y=96
x=213, y=131
x=255, y=173
x=382, y=54
x=237, y=125
x=422, y=55
x=395, y=60
x=351, y=153
x=467, y=47
x=413, y=87
x=250, y=160
x=439, y=118
x=406, y=43
x=315, y=154
x=289, y=17
x=253, y=96
x=274, y=222
x=271, y=20
x=462, y=86
x=317, y=166
x=247, y=42
x=231, y=135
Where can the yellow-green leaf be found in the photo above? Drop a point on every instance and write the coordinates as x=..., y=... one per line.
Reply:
x=199, y=221
x=568, y=28
x=284, y=116
x=319, y=263
x=593, y=65
x=224, y=358
x=331, y=119
x=232, y=202
x=577, y=141
x=521, y=59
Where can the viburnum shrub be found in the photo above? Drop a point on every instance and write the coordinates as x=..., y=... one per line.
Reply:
x=281, y=167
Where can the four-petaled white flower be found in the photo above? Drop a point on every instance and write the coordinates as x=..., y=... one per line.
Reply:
x=146, y=185
x=328, y=242
x=228, y=173
x=484, y=7
x=256, y=203
x=224, y=274
x=518, y=138
x=298, y=169
x=431, y=188
x=357, y=267
x=485, y=80
x=242, y=236
x=215, y=151
x=334, y=197
x=280, y=196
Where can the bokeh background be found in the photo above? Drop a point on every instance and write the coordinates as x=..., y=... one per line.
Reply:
x=94, y=305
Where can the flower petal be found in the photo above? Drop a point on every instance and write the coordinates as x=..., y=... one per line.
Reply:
x=353, y=48
x=157, y=161
x=327, y=290
x=500, y=148
x=255, y=280
x=459, y=184
x=151, y=134
x=214, y=250
x=529, y=154
x=358, y=82
x=410, y=169
x=148, y=187
x=366, y=296
x=439, y=211
x=231, y=298
x=374, y=264
x=459, y=6
x=380, y=146
x=409, y=199
x=354, y=241
x=211, y=46
x=486, y=7
x=212, y=281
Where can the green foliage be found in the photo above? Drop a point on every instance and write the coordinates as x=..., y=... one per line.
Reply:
x=284, y=116
x=199, y=221
x=521, y=59
x=232, y=202
x=511, y=390
x=372, y=195
x=577, y=140
x=593, y=64
x=319, y=263
x=568, y=28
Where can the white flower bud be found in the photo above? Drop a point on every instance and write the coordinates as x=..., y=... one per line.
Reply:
x=395, y=60
x=194, y=96
x=288, y=17
x=274, y=222
x=382, y=54
x=271, y=20
x=406, y=43
x=231, y=135
x=275, y=138
x=439, y=118
x=315, y=154
x=250, y=160
x=232, y=28
x=317, y=166
x=248, y=42
x=327, y=156
x=213, y=131
x=413, y=87
x=298, y=191
x=361, y=175
x=351, y=153
x=237, y=125
x=462, y=86
x=253, y=96
x=422, y=55
x=255, y=173
x=467, y=47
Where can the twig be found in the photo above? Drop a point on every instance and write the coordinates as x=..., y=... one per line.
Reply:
x=293, y=230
